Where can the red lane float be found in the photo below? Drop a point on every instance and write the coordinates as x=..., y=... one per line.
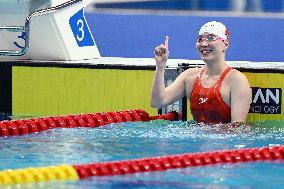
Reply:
x=169, y=116
x=179, y=161
x=20, y=127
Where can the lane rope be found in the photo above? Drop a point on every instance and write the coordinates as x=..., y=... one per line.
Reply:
x=25, y=126
x=82, y=171
x=180, y=161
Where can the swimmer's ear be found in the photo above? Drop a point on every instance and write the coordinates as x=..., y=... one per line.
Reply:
x=227, y=43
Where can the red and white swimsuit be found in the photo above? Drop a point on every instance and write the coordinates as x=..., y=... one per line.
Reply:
x=206, y=104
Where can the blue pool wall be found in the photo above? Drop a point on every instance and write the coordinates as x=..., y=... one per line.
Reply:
x=136, y=35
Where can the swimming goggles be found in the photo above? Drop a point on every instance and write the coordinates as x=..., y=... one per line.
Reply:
x=208, y=38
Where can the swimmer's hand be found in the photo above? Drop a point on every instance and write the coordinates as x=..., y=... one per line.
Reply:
x=161, y=54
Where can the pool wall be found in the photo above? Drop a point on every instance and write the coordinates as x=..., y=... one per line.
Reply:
x=64, y=89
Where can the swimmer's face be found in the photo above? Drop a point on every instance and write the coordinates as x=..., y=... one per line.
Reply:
x=211, y=47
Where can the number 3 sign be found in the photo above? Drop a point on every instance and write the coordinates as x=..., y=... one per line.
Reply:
x=81, y=30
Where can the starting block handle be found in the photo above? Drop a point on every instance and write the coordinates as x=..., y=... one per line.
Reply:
x=12, y=28
x=15, y=29
x=26, y=29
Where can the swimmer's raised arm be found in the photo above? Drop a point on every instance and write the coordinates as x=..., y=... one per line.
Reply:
x=161, y=55
x=162, y=96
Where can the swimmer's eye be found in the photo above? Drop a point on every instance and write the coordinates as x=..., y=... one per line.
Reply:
x=209, y=38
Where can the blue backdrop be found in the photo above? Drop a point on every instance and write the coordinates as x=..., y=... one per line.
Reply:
x=136, y=36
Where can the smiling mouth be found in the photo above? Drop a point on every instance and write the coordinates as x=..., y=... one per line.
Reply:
x=205, y=52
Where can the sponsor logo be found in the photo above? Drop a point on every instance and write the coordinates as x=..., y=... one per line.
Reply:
x=266, y=100
x=202, y=100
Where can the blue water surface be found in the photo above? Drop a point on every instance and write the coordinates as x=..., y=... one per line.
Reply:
x=146, y=139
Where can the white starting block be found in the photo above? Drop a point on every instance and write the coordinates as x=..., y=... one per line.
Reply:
x=57, y=30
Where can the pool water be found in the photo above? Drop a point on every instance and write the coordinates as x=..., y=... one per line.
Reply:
x=132, y=140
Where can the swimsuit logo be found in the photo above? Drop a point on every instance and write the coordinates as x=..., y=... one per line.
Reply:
x=266, y=100
x=202, y=100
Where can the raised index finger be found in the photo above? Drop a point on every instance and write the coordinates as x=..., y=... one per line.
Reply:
x=167, y=42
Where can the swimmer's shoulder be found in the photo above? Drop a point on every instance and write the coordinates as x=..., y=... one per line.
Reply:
x=236, y=74
x=192, y=72
x=236, y=77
